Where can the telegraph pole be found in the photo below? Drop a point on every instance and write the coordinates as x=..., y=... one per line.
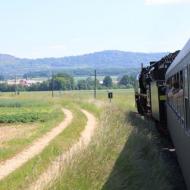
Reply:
x=94, y=84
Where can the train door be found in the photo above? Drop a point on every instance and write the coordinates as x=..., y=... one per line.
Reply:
x=186, y=98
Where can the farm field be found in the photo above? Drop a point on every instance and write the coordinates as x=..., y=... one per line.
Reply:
x=123, y=152
x=100, y=78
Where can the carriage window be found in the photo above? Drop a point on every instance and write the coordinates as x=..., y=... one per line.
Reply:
x=186, y=84
x=170, y=89
x=176, y=84
x=186, y=100
x=176, y=93
x=181, y=91
x=181, y=79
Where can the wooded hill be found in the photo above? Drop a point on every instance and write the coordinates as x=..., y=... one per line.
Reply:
x=111, y=59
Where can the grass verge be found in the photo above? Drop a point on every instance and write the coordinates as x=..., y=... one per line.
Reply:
x=124, y=154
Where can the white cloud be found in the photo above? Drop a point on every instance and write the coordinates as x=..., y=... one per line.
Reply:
x=158, y=2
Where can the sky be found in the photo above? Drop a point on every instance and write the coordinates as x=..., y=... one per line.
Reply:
x=57, y=28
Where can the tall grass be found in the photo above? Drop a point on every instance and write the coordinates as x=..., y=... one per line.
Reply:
x=123, y=155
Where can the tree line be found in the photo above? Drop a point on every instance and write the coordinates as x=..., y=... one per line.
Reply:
x=63, y=81
x=84, y=72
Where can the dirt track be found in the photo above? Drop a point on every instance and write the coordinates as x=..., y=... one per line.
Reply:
x=54, y=169
x=18, y=160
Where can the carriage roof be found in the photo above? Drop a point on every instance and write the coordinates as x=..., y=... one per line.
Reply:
x=179, y=62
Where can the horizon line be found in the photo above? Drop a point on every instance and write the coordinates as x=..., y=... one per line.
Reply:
x=83, y=54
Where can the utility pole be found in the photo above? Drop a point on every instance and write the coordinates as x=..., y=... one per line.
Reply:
x=52, y=87
x=94, y=84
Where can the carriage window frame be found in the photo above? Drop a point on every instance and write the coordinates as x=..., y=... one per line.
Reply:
x=175, y=100
x=181, y=87
x=186, y=100
x=169, y=86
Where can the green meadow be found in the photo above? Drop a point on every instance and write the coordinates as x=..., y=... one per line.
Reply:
x=125, y=151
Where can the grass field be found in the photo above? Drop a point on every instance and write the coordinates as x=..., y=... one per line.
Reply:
x=125, y=152
x=18, y=115
x=100, y=78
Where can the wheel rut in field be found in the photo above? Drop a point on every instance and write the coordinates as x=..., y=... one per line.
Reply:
x=10, y=165
x=57, y=165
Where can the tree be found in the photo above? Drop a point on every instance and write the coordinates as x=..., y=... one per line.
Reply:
x=82, y=85
x=124, y=80
x=62, y=81
x=107, y=81
x=90, y=83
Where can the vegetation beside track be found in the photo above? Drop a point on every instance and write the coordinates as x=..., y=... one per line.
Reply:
x=125, y=152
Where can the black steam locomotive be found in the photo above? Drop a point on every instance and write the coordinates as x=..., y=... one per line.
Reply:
x=163, y=92
x=150, y=89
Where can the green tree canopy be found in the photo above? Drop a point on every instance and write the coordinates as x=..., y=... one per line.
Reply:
x=62, y=81
x=124, y=80
x=82, y=85
x=107, y=81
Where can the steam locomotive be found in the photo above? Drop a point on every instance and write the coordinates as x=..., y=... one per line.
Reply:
x=162, y=91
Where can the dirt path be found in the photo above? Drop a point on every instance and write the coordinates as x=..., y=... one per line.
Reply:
x=54, y=169
x=18, y=160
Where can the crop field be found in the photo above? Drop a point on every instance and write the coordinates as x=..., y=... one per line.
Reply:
x=124, y=152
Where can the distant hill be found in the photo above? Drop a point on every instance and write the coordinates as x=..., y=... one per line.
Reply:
x=10, y=65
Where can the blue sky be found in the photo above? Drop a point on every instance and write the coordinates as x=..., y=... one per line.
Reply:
x=56, y=28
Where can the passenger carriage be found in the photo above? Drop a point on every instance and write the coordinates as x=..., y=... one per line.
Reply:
x=178, y=108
